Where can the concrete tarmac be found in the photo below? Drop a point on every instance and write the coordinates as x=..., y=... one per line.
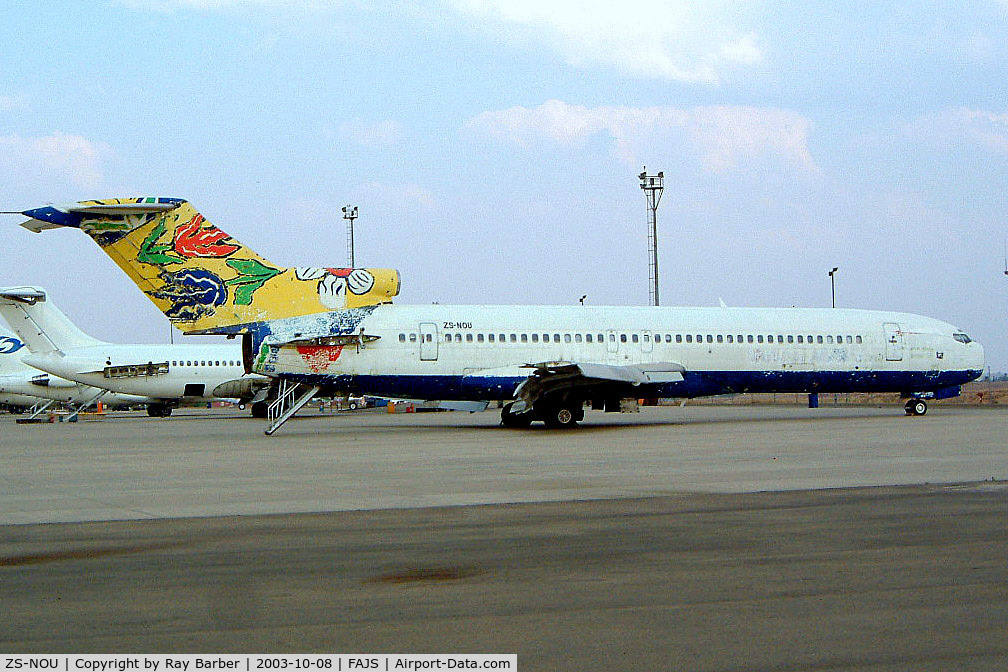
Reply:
x=910, y=578
x=204, y=463
x=644, y=541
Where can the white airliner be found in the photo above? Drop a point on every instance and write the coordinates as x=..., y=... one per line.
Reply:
x=22, y=386
x=546, y=361
x=163, y=375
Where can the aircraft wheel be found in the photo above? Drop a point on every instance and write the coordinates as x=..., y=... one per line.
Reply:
x=561, y=417
x=512, y=421
x=158, y=410
x=353, y=406
x=915, y=407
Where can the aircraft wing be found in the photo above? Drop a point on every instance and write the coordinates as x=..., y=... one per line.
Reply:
x=553, y=377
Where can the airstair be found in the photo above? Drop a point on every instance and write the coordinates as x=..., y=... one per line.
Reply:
x=290, y=400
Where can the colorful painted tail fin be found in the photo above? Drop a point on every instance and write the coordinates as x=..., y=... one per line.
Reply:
x=204, y=280
x=40, y=325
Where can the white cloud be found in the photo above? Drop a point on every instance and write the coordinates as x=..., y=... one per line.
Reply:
x=211, y=5
x=955, y=125
x=382, y=133
x=679, y=40
x=389, y=195
x=8, y=103
x=722, y=135
x=56, y=156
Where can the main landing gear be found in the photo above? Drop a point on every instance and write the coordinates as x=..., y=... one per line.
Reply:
x=159, y=410
x=915, y=407
x=557, y=415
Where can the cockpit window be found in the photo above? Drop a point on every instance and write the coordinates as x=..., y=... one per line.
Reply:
x=961, y=337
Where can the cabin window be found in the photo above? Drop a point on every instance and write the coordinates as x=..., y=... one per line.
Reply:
x=720, y=338
x=849, y=340
x=962, y=337
x=759, y=338
x=174, y=363
x=514, y=338
x=412, y=338
x=839, y=339
x=600, y=339
x=429, y=337
x=524, y=338
x=710, y=339
x=668, y=338
x=689, y=338
x=790, y=338
x=567, y=338
x=731, y=339
x=556, y=338
x=829, y=338
x=577, y=338
x=447, y=338
x=634, y=338
x=202, y=363
x=818, y=339
x=535, y=338
x=402, y=338
x=801, y=339
x=749, y=338
x=810, y=338
x=622, y=338
x=479, y=338
x=501, y=339
x=678, y=338
x=491, y=337
x=647, y=338
x=857, y=339
x=469, y=338
x=780, y=338
x=588, y=338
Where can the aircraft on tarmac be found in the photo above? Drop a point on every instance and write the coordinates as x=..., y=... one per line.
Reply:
x=163, y=374
x=546, y=361
x=22, y=386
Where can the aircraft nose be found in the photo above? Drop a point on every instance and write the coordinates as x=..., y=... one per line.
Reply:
x=976, y=357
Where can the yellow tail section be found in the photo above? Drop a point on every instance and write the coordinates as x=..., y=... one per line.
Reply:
x=203, y=279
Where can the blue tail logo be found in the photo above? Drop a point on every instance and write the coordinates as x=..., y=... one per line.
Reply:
x=9, y=345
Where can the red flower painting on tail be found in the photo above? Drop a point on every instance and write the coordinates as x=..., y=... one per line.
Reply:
x=192, y=241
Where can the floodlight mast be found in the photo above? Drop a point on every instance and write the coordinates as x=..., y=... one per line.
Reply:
x=653, y=185
x=350, y=214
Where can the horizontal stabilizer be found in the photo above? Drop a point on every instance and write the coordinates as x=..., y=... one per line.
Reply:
x=29, y=295
x=72, y=215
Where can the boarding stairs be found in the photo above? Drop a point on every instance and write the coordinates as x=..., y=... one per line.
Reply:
x=290, y=400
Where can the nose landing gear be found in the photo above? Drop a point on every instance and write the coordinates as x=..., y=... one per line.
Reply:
x=915, y=407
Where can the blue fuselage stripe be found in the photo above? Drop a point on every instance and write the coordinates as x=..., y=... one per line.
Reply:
x=694, y=383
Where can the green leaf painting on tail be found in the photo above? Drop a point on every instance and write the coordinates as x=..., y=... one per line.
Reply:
x=152, y=253
x=252, y=275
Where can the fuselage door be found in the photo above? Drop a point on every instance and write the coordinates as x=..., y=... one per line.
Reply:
x=611, y=342
x=646, y=344
x=894, y=342
x=428, y=341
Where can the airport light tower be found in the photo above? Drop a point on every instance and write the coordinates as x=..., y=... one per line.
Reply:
x=653, y=185
x=350, y=214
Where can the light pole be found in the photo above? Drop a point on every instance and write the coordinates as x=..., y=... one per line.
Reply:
x=350, y=214
x=653, y=185
x=832, y=283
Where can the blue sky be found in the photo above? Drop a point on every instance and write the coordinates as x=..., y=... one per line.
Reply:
x=492, y=147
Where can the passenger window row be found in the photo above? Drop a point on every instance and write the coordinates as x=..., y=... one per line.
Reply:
x=208, y=362
x=802, y=339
